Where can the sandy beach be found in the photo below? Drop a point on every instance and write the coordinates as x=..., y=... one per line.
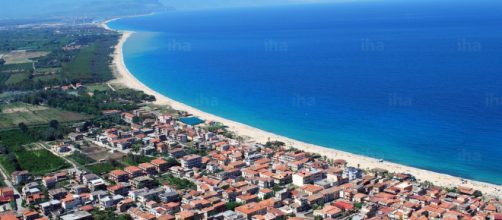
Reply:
x=125, y=77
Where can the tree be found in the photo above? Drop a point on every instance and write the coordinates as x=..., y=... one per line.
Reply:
x=54, y=124
x=22, y=126
x=233, y=205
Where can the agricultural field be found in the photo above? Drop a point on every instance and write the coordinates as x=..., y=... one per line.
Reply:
x=104, y=167
x=33, y=58
x=22, y=56
x=40, y=162
x=37, y=161
x=13, y=114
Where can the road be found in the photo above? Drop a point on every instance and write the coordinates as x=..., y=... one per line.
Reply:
x=19, y=200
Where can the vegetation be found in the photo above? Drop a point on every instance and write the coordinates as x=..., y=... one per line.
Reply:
x=54, y=57
x=81, y=158
x=13, y=114
x=178, y=183
x=123, y=99
x=233, y=205
x=108, y=214
x=40, y=162
x=105, y=167
x=134, y=160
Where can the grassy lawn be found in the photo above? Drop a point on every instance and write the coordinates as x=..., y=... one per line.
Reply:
x=17, y=78
x=40, y=162
x=134, y=160
x=13, y=114
x=102, y=168
x=15, y=138
x=37, y=162
x=7, y=164
x=97, y=86
x=176, y=182
x=81, y=158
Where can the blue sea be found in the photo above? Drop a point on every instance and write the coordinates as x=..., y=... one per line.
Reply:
x=413, y=82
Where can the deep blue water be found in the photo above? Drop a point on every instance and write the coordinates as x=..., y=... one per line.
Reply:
x=414, y=82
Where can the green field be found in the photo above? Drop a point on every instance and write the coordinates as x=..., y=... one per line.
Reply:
x=17, y=78
x=40, y=162
x=102, y=168
x=37, y=162
x=97, y=86
x=81, y=158
x=13, y=114
x=135, y=160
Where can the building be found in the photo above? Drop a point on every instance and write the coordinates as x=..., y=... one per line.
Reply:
x=19, y=177
x=307, y=177
x=190, y=161
x=160, y=165
x=133, y=171
x=118, y=176
x=148, y=168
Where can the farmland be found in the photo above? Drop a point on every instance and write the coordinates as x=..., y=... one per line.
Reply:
x=13, y=114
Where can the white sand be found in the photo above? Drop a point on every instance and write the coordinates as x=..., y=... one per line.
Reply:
x=126, y=78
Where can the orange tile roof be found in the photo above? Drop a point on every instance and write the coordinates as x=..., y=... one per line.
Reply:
x=132, y=169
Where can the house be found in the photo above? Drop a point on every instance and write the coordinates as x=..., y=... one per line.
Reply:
x=190, y=161
x=76, y=136
x=30, y=215
x=57, y=194
x=128, y=117
x=328, y=211
x=110, y=201
x=6, y=194
x=118, y=176
x=78, y=215
x=250, y=209
x=189, y=215
x=70, y=201
x=125, y=204
x=50, y=206
x=142, y=181
x=138, y=214
x=97, y=184
x=177, y=152
x=352, y=173
x=49, y=181
x=160, y=165
x=148, y=168
x=307, y=177
x=133, y=171
x=19, y=177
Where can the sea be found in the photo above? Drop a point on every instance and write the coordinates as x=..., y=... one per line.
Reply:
x=416, y=82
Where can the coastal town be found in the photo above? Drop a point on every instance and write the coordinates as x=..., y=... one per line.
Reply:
x=81, y=138
x=189, y=168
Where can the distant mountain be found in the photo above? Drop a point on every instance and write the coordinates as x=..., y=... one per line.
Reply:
x=43, y=9
x=208, y=4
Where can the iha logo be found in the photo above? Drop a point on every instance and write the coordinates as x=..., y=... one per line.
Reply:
x=203, y=100
x=372, y=46
x=399, y=101
x=465, y=155
x=493, y=101
x=303, y=101
x=276, y=46
x=464, y=45
x=174, y=45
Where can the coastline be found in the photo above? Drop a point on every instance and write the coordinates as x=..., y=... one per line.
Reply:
x=126, y=78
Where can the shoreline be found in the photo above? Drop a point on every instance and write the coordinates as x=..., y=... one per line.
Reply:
x=126, y=78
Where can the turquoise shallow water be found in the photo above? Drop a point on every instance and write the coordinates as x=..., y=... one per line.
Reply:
x=418, y=83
